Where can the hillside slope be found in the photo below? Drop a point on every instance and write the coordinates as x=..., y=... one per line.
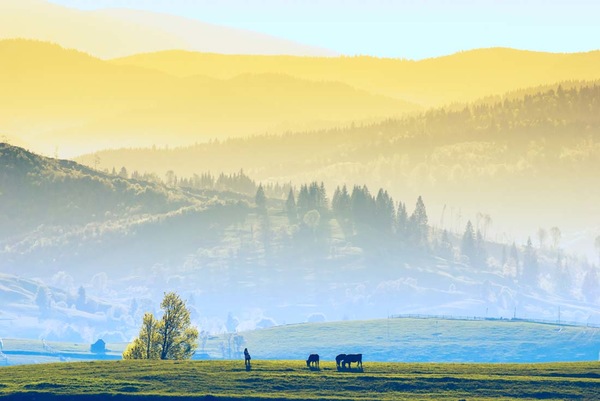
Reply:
x=127, y=241
x=540, y=144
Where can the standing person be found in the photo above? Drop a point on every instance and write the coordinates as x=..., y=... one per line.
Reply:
x=247, y=358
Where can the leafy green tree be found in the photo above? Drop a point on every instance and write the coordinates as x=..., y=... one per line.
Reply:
x=172, y=337
x=147, y=344
x=178, y=337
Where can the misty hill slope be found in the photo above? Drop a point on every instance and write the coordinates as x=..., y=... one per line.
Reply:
x=35, y=190
x=428, y=340
x=128, y=241
x=73, y=213
x=542, y=144
x=112, y=33
x=460, y=77
x=62, y=98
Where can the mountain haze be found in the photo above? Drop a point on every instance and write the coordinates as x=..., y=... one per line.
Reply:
x=109, y=33
x=460, y=77
x=62, y=98
x=502, y=156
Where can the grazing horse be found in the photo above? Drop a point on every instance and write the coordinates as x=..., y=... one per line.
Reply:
x=339, y=359
x=313, y=359
x=352, y=358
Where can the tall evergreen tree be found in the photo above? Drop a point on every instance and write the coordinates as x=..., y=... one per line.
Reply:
x=290, y=208
x=401, y=221
x=260, y=199
x=384, y=212
x=468, y=244
x=303, y=202
x=418, y=229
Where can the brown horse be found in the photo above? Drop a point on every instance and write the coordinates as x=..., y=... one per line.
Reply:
x=313, y=359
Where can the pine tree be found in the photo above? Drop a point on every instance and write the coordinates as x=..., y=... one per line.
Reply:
x=417, y=225
x=468, y=244
x=401, y=221
x=290, y=208
x=384, y=212
x=260, y=199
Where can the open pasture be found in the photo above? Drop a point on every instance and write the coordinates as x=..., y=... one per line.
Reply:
x=292, y=380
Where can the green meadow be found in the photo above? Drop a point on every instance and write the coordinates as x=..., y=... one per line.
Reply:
x=292, y=380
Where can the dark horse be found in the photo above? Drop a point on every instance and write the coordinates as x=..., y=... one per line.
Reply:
x=247, y=358
x=339, y=359
x=313, y=359
x=349, y=358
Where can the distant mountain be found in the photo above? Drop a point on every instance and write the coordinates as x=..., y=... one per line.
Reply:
x=120, y=32
x=54, y=97
x=460, y=77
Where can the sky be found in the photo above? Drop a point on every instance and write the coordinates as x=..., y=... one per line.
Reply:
x=413, y=29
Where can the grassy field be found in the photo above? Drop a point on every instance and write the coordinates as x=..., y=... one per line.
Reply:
x=428, y=340
x=291, y=380
x=383, y=340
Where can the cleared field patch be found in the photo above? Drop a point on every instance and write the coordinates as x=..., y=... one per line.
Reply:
x=292, y=380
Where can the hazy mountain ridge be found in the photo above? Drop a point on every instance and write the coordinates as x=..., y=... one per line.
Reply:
x=461, y=77
x=135, y=31
x=58, y=98
x=530, y=141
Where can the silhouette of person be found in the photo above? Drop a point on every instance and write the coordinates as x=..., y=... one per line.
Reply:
x=246, y=357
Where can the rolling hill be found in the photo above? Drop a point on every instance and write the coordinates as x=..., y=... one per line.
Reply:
x=109, y=33
x=125, y=241
x=433, y=339
x=541, y=143
x=65, y=99
x=460, y=77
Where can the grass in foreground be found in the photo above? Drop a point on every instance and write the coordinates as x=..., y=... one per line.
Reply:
x=291, y=380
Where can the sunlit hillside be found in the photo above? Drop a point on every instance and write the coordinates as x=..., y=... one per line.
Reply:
x=506, y=157
x=58, y=98
x=459, y=77
x=110, y=33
